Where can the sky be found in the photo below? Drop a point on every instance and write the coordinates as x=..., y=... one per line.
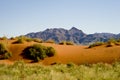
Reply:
x=19, y=17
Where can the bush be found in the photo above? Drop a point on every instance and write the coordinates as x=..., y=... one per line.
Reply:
x=66, y=43
x=117, y=43
x=50, y=41
x=4, y=53
x=70, y=65
x=38, y=52
x=95, y=44
x=69, y=43
x=29, y=39
x=62, y=43
x=20, y=40
x=37, y=40
x=50, y=51
x=3, y=38
x=109, y=44
x=2, y=48
x=7, y=55
x=12, y=38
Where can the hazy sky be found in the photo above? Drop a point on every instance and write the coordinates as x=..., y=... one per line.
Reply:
x=18, y=17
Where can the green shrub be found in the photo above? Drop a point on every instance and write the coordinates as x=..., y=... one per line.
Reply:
x=4, y=53
x=95, y=44
x=50, y=41
x=70, y=65
x=112, y=40
x=4, y=38
x=38, y=52
x=50, y=51
x=66, y=43
x=23, y=38
x=109, y=44
x=29, y=39
x=69, y=43
x=7, y=55
x=62, y=43
x=37, y=40
x=2, y=48
x=19, y=41
x=12, y=38
x=117, y=43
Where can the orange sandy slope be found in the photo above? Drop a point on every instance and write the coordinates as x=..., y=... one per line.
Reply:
x=67, y=53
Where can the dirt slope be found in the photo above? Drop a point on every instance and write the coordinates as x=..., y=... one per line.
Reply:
x=66, y=53
x=80, y=54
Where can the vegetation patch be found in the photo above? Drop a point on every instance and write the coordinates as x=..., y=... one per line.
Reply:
x=37, y=40
x=95, y=44
x=22, y=71
x=62, y=43
x=3, y=38
x=111, y=42
x=4, y=52
x=19, y=41
x=69, y=43
x=38, y=52
x=66, y=43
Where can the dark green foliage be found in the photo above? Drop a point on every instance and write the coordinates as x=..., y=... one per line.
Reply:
x=66, y=43
x=70, y=65
x=69, y=43
x=50, y=51
x=4, y=53
x=7, y=55
x=38, y=52
x=96, y=44
x=62, y=43
x=12, y=38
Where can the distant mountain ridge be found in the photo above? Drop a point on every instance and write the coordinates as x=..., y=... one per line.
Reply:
x=75, y=35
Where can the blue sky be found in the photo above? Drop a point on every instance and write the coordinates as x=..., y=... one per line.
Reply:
x=19, y=17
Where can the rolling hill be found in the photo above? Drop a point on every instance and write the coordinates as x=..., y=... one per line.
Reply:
x=77, y=54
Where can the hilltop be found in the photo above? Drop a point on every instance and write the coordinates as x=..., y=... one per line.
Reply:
x=75, y=35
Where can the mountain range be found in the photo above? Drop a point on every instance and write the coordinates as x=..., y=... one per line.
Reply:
x=75, y=35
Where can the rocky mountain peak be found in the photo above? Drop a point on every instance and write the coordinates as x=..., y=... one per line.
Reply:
x=74, y=34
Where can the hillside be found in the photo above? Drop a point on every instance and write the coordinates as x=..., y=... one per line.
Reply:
x=75, y=35
x=68, y=53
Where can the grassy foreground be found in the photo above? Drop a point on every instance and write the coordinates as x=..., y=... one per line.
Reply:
x=22, y=71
